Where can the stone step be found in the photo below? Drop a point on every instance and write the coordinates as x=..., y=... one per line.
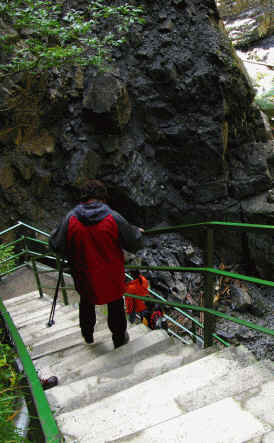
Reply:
x=32, y=305
x=28, y=318
x=82, y=353
x=150, y=402
x=137, y=349
x=49, y=334
x=36, y=329
x=222, y=422
x=39, y=329
x=40, y=315
x=21, y=299
x=70, y=340
x=37, y=305
x=64, y=398
x=23, y=311
x=228, y=385
x=259, y=401
x=45, y=365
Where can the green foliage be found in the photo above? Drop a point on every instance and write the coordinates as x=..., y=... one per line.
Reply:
x=48, y=37
x=10, y=393
x=6, y=262
x=266, y=102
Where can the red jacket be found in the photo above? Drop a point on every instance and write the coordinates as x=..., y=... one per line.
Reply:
x=92, y=237
x=139, y=286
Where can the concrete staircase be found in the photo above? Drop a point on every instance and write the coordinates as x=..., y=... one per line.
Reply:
x=151, y=390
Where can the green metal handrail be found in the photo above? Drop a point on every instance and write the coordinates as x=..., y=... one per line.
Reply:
x=48, y=425
x=211, y=224
x=209, y=270
x=209, y=227
x=45, y=416
x=209, y=311
x=204, y=270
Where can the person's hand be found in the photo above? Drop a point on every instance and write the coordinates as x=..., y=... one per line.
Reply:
x=141, y=229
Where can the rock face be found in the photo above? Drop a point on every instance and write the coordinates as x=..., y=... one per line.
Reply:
x=247, y=20
x=170, y=126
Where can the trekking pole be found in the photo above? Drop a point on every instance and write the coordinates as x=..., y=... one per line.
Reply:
x=52, y=312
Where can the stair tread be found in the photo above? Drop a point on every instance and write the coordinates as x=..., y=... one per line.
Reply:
x=135, y=350
x=102, y=344
x=152, y=389
x=165, y=423
x=239, y=380
x=21, y=299
x=158, y=394
x=202, y=426
x=63, y=398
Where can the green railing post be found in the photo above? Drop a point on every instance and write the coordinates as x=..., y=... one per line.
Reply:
x=26, y=248
x=193, y=330
x=209, y=320
x=36, y=273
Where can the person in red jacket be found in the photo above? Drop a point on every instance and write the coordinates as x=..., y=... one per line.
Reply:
x=92, y=237
x=138, y=286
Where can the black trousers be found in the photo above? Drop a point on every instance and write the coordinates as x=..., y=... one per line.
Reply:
x=116, y=319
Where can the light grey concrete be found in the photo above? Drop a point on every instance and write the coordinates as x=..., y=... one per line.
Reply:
x=103, y=343
x=136, y=350
x=40, y=332
x=19, y=282
x=53, y=345
x=221, y=422
x=268, y=438
x=27, y=306
x=72, y=339
x=44, y=364
x=228, y=385
x=150, y=402
x=36, y=305
x=150, y=390
x=64, y=398
x=82, y=353
x=259, y=401
x=26, y=318
x=52, y=334
x=21, y=299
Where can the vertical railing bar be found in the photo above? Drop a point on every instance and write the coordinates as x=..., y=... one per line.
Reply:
x=26, y=248
x=209, y=320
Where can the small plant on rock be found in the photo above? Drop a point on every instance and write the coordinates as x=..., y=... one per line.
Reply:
x=45, y=35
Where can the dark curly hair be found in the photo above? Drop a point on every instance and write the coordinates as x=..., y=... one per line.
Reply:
x=93, y=189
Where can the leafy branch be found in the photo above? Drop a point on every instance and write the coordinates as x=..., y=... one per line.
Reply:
x=47, y=37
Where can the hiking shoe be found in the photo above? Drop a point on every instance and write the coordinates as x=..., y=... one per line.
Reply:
x=89, y=340
x=118, y=343
x=48, y=383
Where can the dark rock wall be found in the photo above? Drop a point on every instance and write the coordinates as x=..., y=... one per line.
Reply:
x=170, y=126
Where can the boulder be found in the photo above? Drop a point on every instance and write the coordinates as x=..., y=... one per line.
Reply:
x=247, y=21
x=107, y=98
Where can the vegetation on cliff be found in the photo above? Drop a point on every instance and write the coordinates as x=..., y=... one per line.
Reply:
x=39, y=35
